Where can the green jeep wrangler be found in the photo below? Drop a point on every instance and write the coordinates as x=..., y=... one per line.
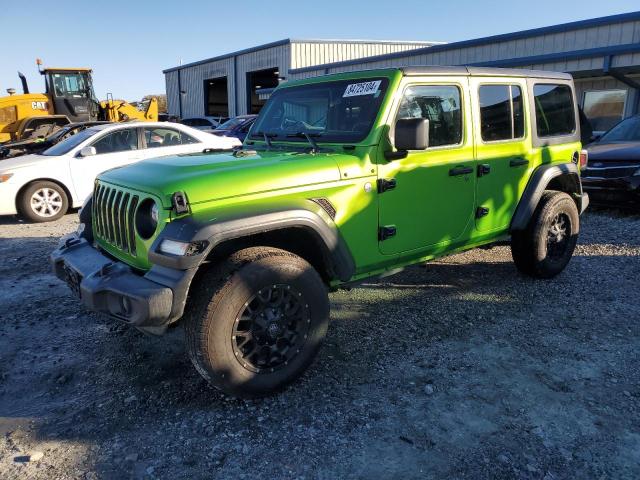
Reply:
x=342, y=178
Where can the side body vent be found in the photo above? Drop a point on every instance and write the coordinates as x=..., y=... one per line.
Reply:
x=326, y=205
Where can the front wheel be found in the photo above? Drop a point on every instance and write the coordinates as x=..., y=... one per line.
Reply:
x=43, y=202
x=545, y=247
x=256, y=321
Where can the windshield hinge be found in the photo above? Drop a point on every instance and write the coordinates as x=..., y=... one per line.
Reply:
x=385, y=232
x=385, y=184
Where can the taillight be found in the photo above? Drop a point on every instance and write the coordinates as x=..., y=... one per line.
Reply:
x=584, y=159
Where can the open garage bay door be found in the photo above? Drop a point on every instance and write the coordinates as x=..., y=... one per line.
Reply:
x=256, y=81
x=216, y=98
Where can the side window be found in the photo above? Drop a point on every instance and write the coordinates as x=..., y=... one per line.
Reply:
x=118, y=141
x=166, y=137
x=187, y=139
x=501, y=113
x=555, y=114
x=441, y=105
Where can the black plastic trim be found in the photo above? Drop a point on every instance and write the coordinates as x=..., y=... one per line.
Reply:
x=189, y=230
x=538, y=183
x=152, y=300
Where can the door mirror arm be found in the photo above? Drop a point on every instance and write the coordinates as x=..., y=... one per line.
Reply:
x=391, y=155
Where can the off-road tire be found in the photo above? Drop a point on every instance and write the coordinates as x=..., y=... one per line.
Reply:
x=530, y=247
x=221, y=295
x=27, y=210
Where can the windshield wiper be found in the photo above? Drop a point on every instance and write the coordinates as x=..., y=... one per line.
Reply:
x=310, y=138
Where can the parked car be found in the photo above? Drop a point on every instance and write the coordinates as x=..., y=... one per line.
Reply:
x=41, y=187
x=236, y=127
x=348, y=176
x=613, y=174
x=206, y=124
x=37, y=145
x=165, y=117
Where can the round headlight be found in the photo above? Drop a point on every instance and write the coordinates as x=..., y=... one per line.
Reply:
x=147, y=218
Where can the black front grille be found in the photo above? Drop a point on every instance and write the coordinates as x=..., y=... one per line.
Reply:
x=114, y=216
x=610, y=172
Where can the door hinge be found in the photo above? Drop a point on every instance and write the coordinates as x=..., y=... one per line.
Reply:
x=482, y=212
x=484, y=169
x=385, y=232
x=385, y=184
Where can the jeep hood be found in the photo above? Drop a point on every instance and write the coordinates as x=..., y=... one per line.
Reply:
x=209, y=177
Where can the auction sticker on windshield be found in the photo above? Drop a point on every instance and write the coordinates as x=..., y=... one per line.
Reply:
x=364, y=88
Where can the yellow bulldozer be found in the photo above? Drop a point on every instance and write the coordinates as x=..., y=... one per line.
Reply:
x=68, y=98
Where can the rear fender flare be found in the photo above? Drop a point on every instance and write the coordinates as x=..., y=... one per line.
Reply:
x=565, y=174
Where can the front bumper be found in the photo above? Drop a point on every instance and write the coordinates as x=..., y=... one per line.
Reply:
x=613, y=190
x=149, y=302
x=8, y=193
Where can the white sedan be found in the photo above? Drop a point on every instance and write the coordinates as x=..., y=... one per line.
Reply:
x=43, y=187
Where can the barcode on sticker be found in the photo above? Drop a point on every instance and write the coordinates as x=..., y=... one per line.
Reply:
x=364, y=88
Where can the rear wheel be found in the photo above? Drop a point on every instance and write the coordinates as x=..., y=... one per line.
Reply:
x=545, y=247
x=256, y=321
x=43, y=202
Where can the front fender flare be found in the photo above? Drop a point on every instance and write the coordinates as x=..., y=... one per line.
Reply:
x=222, y=230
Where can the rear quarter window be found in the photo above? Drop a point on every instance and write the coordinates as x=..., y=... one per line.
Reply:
x=555, y=113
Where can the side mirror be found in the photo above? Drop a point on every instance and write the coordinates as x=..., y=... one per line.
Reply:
x=595, y=138
x=410, y=134
x=88, y=151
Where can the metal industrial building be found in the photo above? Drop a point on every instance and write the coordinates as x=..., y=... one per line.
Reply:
x=603, y=55
x=228, y=85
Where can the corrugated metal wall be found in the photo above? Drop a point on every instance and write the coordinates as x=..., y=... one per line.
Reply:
x=191, y=82
x=308, y=53
x=275, y=57
x=171, y=81
x=565, y=41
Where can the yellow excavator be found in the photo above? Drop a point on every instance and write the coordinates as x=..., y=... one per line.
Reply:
x=68, y=98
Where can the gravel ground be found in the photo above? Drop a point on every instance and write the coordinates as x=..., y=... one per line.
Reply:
x=462, y=369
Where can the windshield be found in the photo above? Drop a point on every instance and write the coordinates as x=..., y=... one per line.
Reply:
x=626, y=131
x=342, y=111
x=70, y=84
x=232, y=122
x=70, y=143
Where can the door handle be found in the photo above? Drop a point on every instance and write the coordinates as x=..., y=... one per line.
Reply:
x=460, y=170
x=518, y=162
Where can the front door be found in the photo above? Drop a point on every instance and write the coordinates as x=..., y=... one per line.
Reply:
x=71, y=94
x=433, y=198
x=113, y=149
x=502, y=151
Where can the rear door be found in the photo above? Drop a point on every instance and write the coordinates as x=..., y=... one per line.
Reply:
x=113, y=149
x=163, y=141
x=503, y=149
x=433, y=198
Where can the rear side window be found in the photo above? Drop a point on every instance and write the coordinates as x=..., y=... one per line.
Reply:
x=501, y=116
x=555, y=114
x=166, y=137
x=441, y=105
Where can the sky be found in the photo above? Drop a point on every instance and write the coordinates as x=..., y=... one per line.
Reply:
x=129, y=43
